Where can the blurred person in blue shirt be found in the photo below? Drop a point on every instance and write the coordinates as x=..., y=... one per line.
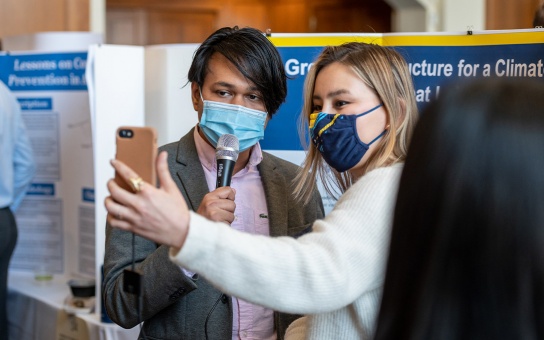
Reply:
x=17, y=169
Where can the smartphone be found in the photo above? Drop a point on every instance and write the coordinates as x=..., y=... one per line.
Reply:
x=137, y=148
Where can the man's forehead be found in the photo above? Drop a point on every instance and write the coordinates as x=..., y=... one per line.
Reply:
x=223, y=73
x=220, y=63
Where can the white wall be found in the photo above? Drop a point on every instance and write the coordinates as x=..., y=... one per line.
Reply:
x=97, y=16
x=168, y=106
x=437, y=15
x=458, y=15
x=407, y=16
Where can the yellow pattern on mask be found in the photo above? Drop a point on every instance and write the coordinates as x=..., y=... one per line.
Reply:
x=328, y=125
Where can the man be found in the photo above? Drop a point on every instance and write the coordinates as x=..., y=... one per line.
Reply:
x=237, y=84
x=17, y=169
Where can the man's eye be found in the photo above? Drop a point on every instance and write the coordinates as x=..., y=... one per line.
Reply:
x=253, y=97
x=223, y=93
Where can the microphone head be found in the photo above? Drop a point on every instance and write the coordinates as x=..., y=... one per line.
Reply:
x=227, y=147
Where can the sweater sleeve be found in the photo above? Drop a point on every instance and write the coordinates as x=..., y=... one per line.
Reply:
x=341, y=259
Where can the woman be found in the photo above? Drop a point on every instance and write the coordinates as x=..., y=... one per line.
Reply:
x=468, y=240
x=361, y=110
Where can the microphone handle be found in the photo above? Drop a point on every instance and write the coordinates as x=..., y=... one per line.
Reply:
x=225, y=168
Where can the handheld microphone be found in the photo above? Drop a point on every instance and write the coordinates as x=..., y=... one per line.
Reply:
x=226, y=154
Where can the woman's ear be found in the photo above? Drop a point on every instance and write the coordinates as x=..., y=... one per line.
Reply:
x=195, y=95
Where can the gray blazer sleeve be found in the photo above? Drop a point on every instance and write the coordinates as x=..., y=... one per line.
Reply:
x=163, y=283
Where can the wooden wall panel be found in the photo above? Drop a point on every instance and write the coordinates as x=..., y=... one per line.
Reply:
x=374, y=18
x=28, y=16
x=242, y=14
x=289, y=17
x=509, y=14
x=77, y=15
x=167, y=27
x=294, y=16
x=126, y=26
x=33, y=16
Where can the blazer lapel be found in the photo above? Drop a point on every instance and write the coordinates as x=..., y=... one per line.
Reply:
x=275, y=188
x=193, y=184
x=189, y=171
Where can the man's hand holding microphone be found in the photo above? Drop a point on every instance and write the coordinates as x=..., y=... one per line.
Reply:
x=161, y=213
x=219, y=205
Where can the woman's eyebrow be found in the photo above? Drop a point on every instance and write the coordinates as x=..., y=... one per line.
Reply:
x=332, y=94
x=337, y=92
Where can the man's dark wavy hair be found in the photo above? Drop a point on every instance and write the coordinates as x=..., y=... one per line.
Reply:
x=253, y=55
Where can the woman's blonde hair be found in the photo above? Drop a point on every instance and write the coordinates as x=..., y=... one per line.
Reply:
x=384, y=71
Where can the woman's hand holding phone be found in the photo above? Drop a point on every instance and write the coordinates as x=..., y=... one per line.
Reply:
x=137, y=148
x=159, y=214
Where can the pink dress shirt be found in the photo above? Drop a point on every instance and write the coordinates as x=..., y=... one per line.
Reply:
x=249, y=321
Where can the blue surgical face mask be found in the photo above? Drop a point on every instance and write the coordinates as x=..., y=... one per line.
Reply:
x=221, y=118
x=336, y=138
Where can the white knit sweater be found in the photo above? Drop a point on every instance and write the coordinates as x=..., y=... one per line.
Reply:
x=335, y=273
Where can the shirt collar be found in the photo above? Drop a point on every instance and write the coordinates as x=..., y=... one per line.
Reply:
x=206, y=153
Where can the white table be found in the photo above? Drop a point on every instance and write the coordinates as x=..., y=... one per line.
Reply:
x=35, y=309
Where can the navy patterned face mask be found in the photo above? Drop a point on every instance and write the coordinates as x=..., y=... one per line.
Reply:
x=336, y=138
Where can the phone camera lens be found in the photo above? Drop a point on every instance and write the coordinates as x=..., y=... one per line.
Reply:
x=126, y=133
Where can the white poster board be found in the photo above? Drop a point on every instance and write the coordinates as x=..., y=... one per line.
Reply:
x=56, y=217
x=116, y=93
x=167, y=93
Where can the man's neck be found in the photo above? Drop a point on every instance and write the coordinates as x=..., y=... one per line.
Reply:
x=243, y=157
x=241, y=162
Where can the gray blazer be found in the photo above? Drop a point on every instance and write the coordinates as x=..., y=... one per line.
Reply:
x=175, y=306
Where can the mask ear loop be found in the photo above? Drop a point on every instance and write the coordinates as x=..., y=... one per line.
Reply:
x=371, y=110
x=379, y=136
x=383, y=132
x=200, y=91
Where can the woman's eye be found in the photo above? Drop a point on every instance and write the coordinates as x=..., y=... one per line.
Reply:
x=340, y=103
x=316, y=108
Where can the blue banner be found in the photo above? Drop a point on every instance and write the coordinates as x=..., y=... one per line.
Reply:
x=44, y=72
x=281, y=131
x=433, y=66
x=32, y=104
x=434, y=60
x=87, y=195
x=41, y=189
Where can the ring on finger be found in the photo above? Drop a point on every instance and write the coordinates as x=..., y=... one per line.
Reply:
x=136, y=183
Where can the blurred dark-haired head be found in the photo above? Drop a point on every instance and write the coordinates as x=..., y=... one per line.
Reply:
x=538, y=19
x=252, y=54
x=467, y=247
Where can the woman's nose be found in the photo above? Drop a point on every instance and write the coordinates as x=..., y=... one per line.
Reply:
x=327, y=108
